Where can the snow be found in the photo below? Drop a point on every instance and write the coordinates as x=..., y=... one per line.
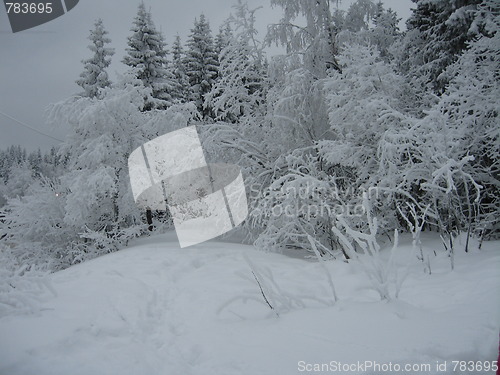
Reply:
x=154, y=308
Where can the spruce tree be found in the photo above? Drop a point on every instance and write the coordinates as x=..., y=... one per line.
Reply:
x=146, y=54
x=94, y=77
x=201, y=63
x=223, y=38
x=179, y=71
x=438, y=32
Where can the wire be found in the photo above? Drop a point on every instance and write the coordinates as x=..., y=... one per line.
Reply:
x=29, y=127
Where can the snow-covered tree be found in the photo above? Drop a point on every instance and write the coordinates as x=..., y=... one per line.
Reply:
x=298, y=200
x=147, y=56
x=385, y=30
x=239, y=89
x=447, y=163
x=223, y=37
x=103, y=133
x=438, y=32
x=19, y=169
x=34, y=225
x=363, y=102
x=201, y=63
x=94, y=77
x=359, y=15
x=183, y=90
x=313, y=43
x=296, y=119
x=470, y=106
x=20, y=177
x=331, y=170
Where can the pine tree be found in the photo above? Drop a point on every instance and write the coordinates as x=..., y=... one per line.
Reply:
x=147, y=55
x=201, y=63
x=94, y=77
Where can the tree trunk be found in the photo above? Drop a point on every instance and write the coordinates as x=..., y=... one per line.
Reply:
x=149, y=219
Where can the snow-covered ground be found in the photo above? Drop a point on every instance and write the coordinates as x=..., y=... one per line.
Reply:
x=154, y=308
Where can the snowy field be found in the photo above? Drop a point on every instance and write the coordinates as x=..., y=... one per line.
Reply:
x=156, y=309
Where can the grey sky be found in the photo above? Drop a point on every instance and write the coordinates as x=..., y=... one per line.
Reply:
x=39, y=66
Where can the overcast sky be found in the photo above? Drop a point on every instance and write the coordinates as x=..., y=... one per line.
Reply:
x=39, y=66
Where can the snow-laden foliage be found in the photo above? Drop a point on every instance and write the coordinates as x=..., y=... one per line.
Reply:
x=359, y=15
x=470, y=105
x=181, y=90
x=147, y=56
x=438, y=32
x=314, y=42
x=23, y=287
x=385, y=31
x=381, y=272
x=19, y=177
x=353, y=108
x=201, y=63
x=19, y=169
x=35, y=227
x=299, y=202
x=95, y=77
x=448, y=161
x=89, y=209
x=239, y=89
x=363, y=102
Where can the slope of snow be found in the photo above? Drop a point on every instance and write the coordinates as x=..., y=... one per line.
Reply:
x=154, y=308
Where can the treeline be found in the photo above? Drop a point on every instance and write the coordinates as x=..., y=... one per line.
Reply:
x=19, y=168
x=358, y=130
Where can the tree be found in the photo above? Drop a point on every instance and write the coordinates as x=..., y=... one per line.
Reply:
x=147, y=56
x=94, y=77
x=438, y=32
x=179, y=71
x=363, y=102
x=359, y=15
x=314, y=43
x=21, y=176
x=223, y=37
x=201, y=63
x=239, y=89
x=385, y=30
x=34, y=224
x=447, y=163
x=296, y=119
x=470, y=106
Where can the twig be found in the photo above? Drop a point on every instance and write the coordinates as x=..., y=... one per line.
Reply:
x=264, y=295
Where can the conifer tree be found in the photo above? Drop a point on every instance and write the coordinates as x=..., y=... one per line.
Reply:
x=94, y=77
x=147, y=56
x=201, y=63
x=223, y=38
x=438, y=32
x=179, y=71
